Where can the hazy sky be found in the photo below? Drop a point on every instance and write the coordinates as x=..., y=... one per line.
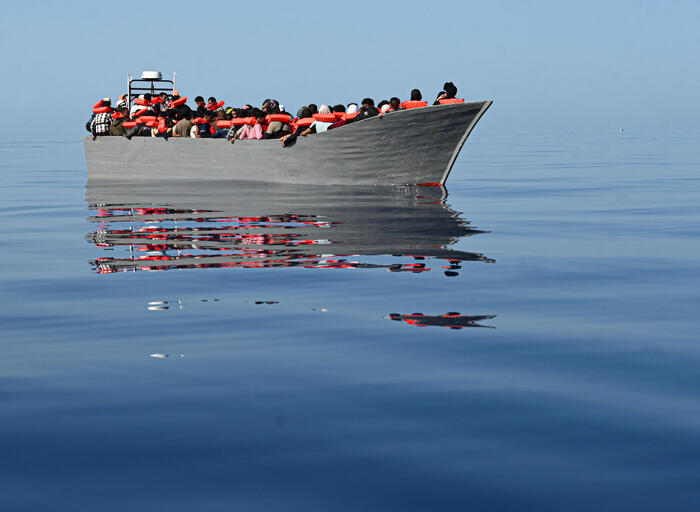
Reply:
x=549, y=65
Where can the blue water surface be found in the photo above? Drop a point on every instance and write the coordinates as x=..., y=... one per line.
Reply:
x=301, y=379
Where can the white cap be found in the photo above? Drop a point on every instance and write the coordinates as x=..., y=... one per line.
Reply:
x=108, y=100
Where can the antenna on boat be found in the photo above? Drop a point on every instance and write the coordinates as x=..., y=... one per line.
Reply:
x=174, y=75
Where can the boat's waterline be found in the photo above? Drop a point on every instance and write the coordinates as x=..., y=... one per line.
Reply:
x=405, y=147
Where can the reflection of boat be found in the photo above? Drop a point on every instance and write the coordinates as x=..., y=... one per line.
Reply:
x=217, y=224
x=403, y=147
x=452, y=320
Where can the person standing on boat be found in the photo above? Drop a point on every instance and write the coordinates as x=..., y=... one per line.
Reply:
x=201, y=107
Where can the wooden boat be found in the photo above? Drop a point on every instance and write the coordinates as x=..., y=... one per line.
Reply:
x=404, y=147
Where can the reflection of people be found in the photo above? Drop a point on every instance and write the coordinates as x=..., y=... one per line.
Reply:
x=449, y=91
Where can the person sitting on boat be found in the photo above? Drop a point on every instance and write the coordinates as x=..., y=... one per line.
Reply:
x=116, y=127
x=161, y=106
x=122, y=101
x=251, y=131
x=290, y=138
x=415, y=96
x=367, y=110
x=339, y=122
x=101, y=122
x=181, y=110
x=352, y=108
x=183, y=127
x=449, y=91
x=144, y=98
x=220, y=133
x=211, y=103
x=395, y=103
x=204, y=129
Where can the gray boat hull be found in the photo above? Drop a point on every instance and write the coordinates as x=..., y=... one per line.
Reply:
x=404, y=147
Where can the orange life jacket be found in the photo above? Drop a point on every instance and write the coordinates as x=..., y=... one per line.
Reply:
x=413, y=104
x=326, y=118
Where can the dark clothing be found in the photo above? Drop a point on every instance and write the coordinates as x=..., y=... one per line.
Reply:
x=116, y=127
x=366, y=113
x=204, y=131
x=201, y=111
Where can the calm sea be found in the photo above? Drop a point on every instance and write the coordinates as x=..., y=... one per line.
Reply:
x=527, y=340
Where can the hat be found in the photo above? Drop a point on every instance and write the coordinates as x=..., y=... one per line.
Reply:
x=108, y=101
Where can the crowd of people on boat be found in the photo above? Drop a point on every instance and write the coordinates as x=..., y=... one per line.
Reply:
x=168, y=115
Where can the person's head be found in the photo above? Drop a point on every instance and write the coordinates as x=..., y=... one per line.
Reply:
x=211, y=100
x=147, y=96
x=416, y=95
x=270, y=106
x=106, y=102
x=303, y=112
x=265, y=103
x=339, y=108
x=352, y=108
x=209, y=115
x=163, y=95
x=260, y=117
x=313, y=108
x=395, y=103
x=199, y=101
x=381, y=104
x=450, y=89
x=186, y=114
x=221, y=113
x=324, y=109
x=368, y=102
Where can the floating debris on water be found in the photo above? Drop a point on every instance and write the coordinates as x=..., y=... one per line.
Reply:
x=160, y=356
